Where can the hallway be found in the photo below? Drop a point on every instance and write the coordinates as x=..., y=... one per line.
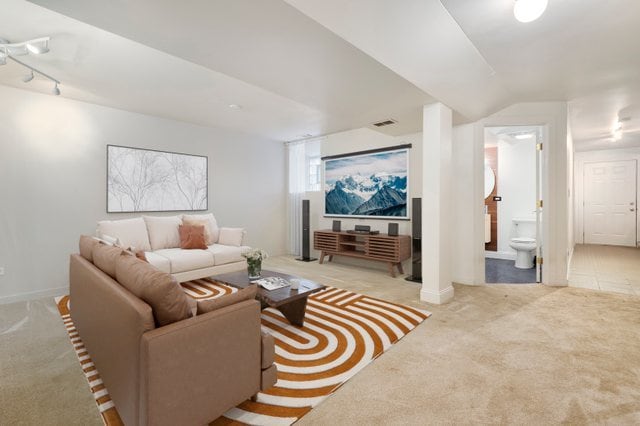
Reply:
x=606, y=268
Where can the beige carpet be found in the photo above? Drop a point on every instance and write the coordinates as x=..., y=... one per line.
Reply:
x=342, y=334
x=500, y=354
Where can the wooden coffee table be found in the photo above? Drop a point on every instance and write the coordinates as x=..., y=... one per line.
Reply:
x=292, y=303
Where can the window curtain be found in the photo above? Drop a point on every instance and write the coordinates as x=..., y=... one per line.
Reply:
x=297, y=187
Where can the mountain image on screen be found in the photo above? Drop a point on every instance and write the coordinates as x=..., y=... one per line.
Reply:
x=374, y=195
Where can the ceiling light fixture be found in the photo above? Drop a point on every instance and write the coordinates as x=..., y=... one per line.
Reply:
x=529, y=10
x=524, y=136
x=36, y=46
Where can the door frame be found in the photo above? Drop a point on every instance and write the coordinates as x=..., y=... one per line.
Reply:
x=541, y=136
x=555, y=232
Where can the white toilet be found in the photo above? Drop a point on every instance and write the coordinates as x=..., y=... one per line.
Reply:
x=524, y=242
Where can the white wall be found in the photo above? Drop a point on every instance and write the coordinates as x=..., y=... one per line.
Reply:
x=361, y=140
x=468, y=233
x=53, y=181
x=594, y=156
x=517, y=187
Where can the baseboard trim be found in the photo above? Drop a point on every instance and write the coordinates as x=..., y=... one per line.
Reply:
x=442, y=296
x=32, y=295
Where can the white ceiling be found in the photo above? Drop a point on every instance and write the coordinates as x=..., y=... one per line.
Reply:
x=314, y=67
x=291, y=76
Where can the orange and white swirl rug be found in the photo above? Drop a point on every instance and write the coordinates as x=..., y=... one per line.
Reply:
x=343, y=332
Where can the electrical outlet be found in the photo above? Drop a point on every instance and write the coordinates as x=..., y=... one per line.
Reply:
x=2, y=270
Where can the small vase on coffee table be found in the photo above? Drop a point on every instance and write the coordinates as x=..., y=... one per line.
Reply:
x=254, y=267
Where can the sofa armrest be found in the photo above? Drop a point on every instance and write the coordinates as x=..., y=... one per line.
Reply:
x=194, y=370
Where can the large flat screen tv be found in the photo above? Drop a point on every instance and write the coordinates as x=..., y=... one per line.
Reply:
x=368, y=185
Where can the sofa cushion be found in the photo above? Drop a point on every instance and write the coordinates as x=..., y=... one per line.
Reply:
x=186, y=260
x=163, y=231
x=208, y=220
x=231, y=236
x=158, y=289
x=247, y=293
x=227, y=254
x=132, y=233
x=86, y=247
x=192, y=237
x=105, y=256
x=160, y=262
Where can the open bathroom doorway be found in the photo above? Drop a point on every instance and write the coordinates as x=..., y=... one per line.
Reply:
x=513, y=214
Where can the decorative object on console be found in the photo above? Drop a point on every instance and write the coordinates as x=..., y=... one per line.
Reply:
x=36, y=46
x=416, y=241
x=306, y=233
x=363, y=229
x=336, y=226
x=254, y=261
x=393, y=229
x=370, y=184
x=172, y=181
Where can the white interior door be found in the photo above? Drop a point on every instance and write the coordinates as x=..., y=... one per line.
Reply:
x=610, y=203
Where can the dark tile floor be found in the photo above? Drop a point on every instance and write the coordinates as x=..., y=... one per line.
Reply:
x=504, y=272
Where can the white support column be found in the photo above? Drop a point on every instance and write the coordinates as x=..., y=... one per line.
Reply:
x=436, y=204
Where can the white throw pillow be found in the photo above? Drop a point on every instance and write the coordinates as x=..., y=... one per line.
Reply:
x=211, y=230
x=163, y=231
x=231, y=236
x=131, y=233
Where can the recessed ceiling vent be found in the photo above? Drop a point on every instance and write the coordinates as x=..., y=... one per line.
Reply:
x=385, y=123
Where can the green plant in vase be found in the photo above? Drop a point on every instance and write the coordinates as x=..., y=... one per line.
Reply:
x=254, y=261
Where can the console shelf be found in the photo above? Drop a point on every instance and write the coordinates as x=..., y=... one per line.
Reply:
x=379, y=247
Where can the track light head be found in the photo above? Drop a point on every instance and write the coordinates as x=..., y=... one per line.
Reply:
x=27, y=78
x=55, y=90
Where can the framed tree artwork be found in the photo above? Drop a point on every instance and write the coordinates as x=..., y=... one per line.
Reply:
x=145, y=180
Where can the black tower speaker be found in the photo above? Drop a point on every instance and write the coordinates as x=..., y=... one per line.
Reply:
x=306, y=233
x=416, y=241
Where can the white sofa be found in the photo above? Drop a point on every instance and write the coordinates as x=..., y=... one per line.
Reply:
x=158, y=237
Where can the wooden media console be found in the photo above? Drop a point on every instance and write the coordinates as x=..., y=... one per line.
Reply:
x=380, y=247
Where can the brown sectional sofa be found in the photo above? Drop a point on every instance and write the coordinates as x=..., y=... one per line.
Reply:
x=188, y=372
